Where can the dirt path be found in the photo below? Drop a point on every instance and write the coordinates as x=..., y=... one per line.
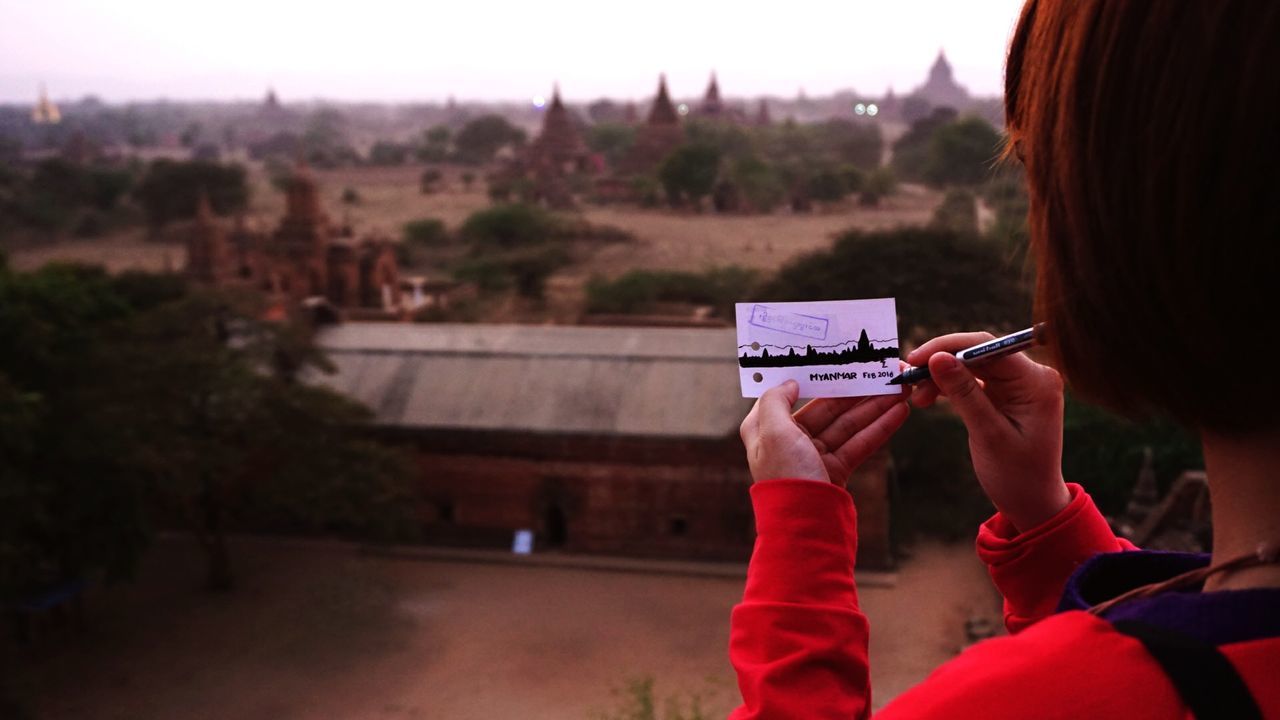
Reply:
x=322, y=633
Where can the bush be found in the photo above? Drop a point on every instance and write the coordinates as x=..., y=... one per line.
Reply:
x=418, y=237
x=958, y=213
x=427, y=232
x=876, y=186
x=638, y=291
x=429, y=181
x=506, y=227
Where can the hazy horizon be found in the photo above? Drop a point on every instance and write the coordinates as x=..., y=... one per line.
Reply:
x=141, y=50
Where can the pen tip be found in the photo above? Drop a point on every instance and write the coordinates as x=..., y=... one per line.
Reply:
x=896, y=381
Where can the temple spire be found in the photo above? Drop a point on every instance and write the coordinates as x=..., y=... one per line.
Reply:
x=663, y=112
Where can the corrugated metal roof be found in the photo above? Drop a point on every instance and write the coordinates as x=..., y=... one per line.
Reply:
x=668, y=382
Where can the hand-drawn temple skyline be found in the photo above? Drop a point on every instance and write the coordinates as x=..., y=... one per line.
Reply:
x=864, y=351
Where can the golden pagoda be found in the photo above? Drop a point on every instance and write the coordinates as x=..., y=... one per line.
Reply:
x=45, y=112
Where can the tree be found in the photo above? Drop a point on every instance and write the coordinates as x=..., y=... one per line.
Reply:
x=507, y=227
x=972, y=283
x=876, y=186
x=612, y=140
x=827, y=186
x=958, y=213
x=385, y=152
x=758, y=183
x=170, y=189
x=230, y=438
x=912, y=151
x=962, y=153
x=857, y=144
x=689, y=174
x=434, y=146
x=480, y=139
x=122, y=394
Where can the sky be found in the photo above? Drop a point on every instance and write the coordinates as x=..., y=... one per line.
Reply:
x=425, y=50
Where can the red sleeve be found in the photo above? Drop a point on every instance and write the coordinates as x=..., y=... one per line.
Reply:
x=1031, y=569
x=798, y=641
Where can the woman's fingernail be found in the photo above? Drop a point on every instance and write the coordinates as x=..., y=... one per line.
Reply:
x=947, y=362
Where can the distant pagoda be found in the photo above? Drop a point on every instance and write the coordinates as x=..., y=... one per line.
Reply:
x=558, y=153
x=712, y=106
x=559, y=146
x=45, y=112
x=941, y=88
x=657, y=137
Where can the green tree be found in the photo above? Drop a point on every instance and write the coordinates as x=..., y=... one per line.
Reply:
x=480, y=139
x=912, y=151
x=689, y=174
x=121, y=394
x=169, y=190
x=435, y=144
x=507, y=227
x=386, y=152
x=760, y=187
x=962, y=153
x=857, y=144
x=826, y=186
x=612, y=140
x=970, y=283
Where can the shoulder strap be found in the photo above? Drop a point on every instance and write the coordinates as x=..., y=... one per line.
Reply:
x=1205, y=679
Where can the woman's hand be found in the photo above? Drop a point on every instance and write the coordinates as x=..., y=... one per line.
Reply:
x=1012, y=407
x=824, y=441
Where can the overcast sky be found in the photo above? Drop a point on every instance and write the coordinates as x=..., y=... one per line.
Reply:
x=426, y=50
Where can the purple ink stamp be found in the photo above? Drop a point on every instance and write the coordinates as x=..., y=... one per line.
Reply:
x=790, y=323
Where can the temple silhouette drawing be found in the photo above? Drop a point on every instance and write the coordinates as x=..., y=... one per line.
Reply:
x=863, y=351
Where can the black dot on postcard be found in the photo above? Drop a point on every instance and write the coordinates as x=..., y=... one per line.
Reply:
x=757, y=377
x=755, y=346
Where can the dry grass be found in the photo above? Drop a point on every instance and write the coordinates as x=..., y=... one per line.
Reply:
x=389, y=197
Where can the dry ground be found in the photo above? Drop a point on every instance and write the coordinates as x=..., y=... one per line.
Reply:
x=321, y=632
x=389, y=197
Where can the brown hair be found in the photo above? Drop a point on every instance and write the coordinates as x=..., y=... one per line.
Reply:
x=1150, y=132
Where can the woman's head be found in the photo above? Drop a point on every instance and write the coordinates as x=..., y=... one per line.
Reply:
x=1150, y=132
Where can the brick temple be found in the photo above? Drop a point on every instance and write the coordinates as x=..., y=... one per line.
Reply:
x=305, y=256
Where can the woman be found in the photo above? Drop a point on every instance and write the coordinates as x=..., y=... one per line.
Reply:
x=1150, y=133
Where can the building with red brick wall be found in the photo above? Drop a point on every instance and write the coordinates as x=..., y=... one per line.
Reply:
x=305, y=256
x=620, y=441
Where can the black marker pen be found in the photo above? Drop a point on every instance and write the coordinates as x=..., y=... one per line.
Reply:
x=1001, y=346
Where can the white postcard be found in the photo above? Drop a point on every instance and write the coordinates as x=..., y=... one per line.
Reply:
x=834, y=348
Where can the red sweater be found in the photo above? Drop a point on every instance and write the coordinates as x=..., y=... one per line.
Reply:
x=799, y=642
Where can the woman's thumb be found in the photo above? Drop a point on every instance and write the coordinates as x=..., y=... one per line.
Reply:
x=960, y=387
